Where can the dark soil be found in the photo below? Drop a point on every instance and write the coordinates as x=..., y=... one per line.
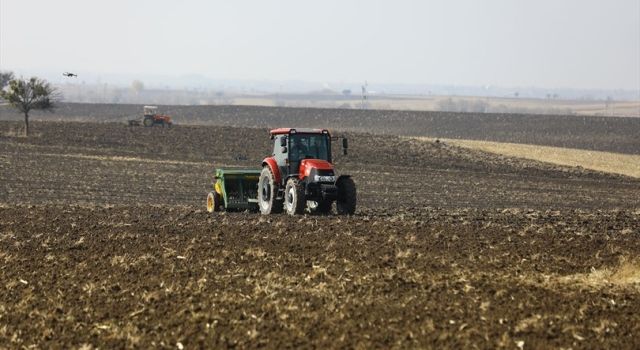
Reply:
x=116, y=164
x=612, y=134
x=158, y=276
x=104, y=242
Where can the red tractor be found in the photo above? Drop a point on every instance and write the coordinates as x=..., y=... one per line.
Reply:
x=299, y=174
x=151, y=117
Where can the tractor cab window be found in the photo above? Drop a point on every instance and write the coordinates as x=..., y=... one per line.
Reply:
x=308, y=146
x=150, y=110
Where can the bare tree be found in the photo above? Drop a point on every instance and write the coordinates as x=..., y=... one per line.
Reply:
x=27, y=95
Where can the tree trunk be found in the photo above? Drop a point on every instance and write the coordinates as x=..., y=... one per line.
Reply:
x=26, y=124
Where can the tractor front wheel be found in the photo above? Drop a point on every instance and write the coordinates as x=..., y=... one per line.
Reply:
x=346, y=202
x=267, y=193
x=294, y=201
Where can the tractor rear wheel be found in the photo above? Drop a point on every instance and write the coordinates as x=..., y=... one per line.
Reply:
x=147, y=122
x=294, y=201
x=214, y=202
x=267, y=193
x=346, y=202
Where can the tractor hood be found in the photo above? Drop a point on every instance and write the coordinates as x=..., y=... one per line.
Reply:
x=307, y=165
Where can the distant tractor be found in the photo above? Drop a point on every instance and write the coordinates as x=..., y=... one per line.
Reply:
x=151, y=117
x=298, y=175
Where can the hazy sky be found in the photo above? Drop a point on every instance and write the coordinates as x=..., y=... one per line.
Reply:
x=545, y=43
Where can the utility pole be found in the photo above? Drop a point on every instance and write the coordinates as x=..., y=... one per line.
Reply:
x=364, y=94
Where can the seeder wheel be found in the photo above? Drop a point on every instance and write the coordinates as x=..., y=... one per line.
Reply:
x=214, y=202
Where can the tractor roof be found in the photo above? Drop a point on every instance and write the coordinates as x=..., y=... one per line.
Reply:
x=287, y=131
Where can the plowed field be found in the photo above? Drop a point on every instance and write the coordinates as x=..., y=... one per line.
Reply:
x=104, y=242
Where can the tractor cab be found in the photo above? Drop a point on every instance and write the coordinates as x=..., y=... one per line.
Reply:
x=308, y=146
x=291, y=148
x=150, y=111
x=299, y=174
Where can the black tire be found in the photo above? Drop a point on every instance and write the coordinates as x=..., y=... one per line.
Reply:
x=347, y=196
x=294, y=201
x=267, y=192
x=147, y=122
x=319, y=207
x=214, y=202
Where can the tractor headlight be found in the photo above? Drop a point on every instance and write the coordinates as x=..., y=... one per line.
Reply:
x=328, y=178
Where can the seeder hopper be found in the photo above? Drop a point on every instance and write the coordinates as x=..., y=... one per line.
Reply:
x=234, y=189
